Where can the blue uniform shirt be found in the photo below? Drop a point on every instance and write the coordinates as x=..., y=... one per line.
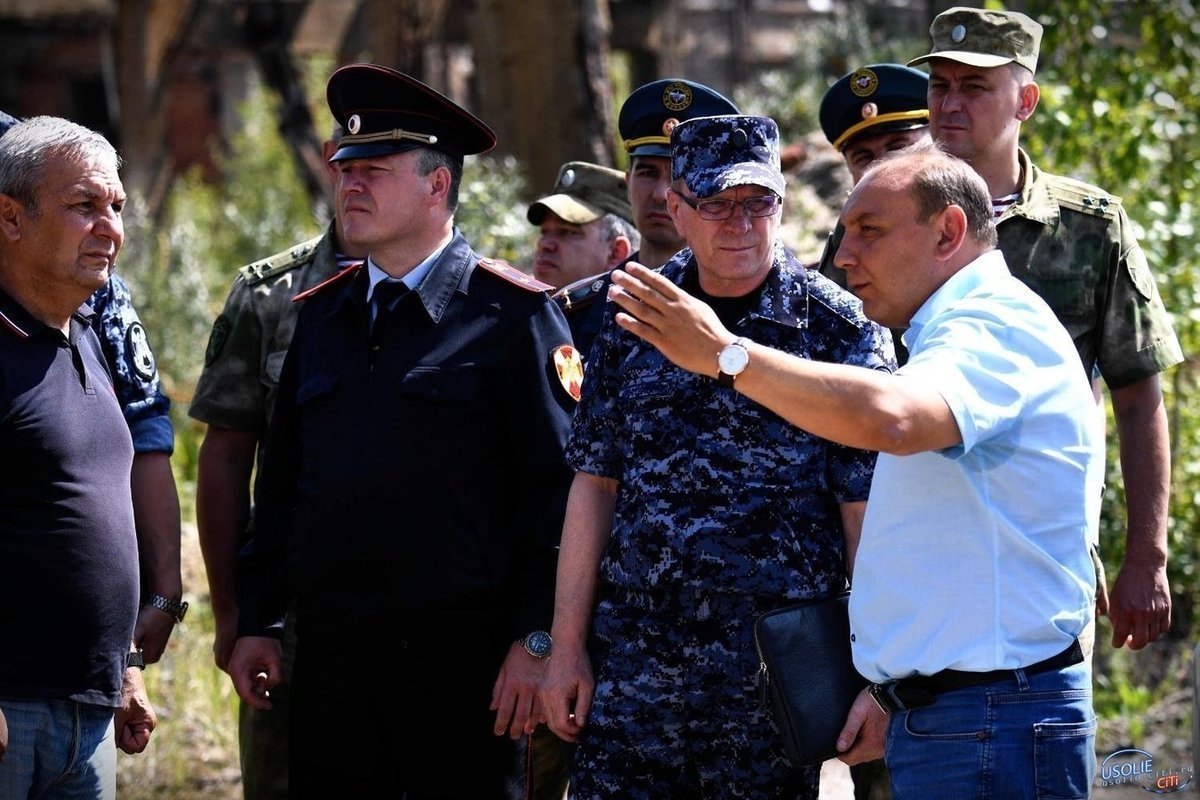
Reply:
x=716, y=493
x=134, y=373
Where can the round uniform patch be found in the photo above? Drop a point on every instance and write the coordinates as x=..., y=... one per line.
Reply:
x=677, y=96
x=217, y=339
x=864, y=82
x=141, y=357
x=569, y=367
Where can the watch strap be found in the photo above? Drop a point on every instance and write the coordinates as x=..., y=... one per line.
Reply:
x=176, y=608
x=135, y=658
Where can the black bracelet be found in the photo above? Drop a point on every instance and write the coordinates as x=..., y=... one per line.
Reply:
x=176, y=608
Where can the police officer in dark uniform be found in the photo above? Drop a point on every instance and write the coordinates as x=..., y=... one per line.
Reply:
x=645, y=123
x=413, y=490
x=866, y=114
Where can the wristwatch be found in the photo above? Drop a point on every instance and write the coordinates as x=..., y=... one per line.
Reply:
x=732, y=360
x=135, y=658
x=538, y=644
x=176, y=608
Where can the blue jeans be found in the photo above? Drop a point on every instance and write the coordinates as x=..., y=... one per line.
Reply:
x=1028, y=736
x=58, y=750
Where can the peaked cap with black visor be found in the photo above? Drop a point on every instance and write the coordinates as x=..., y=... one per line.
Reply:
x=383, y=112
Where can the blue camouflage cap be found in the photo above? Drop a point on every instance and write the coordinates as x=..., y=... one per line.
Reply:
x=653, y=110
x=712, y=154
x=6, y=122
x=878, y=98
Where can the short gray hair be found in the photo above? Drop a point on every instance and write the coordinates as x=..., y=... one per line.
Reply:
x=612, y=226
x=29, y=145
x=429, y=159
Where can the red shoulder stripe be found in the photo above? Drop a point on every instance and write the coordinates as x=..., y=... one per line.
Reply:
x=514, y=275
x=307, y=293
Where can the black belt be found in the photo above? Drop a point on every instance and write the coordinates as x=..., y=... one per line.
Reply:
x=922, y=690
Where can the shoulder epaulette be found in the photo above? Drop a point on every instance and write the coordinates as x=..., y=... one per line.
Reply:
x=335, y=278
x=279, y=263
x=514, y=276
x=1083, y=197
x=581, y=292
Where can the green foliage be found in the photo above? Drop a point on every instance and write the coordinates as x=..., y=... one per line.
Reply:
x=850, y=38
x=491, y=208
x=1119, y=696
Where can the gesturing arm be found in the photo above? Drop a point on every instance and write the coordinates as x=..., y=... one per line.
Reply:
x=850, y=405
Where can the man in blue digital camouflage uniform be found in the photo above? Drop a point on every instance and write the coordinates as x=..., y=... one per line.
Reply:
x=155, y=500
x=645, y=122
x=693, y=511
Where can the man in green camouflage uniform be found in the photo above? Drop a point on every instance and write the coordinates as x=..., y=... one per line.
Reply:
x=235, y=396
x=1073, y=244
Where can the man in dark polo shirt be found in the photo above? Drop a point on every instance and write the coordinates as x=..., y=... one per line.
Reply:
x=69, y=689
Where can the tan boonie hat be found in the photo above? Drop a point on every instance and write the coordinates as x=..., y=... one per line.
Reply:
x=584, y=192
x=984, y=38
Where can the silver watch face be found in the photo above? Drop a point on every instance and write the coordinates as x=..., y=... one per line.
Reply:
x=732, y=359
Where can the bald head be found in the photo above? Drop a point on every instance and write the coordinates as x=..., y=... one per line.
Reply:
x=936, y=180
x=917, y=217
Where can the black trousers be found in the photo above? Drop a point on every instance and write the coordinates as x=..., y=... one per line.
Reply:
x=396, y=715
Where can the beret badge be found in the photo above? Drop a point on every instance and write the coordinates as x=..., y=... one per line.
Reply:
x=677, y=96
x=864, y=82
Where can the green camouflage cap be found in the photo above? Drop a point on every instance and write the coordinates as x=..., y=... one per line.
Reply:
x=584, y=192
x=984, y=38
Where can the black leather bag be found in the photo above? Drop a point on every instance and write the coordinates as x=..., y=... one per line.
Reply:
x=806, y=676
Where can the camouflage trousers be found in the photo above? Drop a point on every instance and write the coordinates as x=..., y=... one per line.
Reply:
x=263, y=735
x=676, y=712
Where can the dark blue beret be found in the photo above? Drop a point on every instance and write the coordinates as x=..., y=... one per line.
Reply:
x=653, y=110
x=383, y=111
x=879, y=98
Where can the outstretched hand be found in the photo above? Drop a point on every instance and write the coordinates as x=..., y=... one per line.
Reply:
x=684, y=329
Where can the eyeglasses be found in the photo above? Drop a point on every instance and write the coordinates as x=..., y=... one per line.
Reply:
x=761, y=206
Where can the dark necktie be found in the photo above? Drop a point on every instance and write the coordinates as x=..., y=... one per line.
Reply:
x=384, y=297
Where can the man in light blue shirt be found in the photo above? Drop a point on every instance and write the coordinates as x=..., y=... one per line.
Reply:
x=972, y=580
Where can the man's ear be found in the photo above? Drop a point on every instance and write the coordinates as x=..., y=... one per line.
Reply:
x=439, y=185
x=619, y=250
x=953, y=230
x=1029, y=96
x=12, y=217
